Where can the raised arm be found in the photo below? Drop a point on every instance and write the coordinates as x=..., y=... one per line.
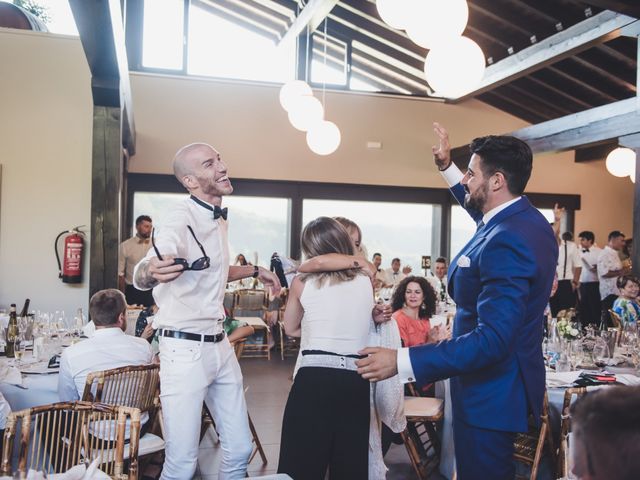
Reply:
x=268, y=279
x=294, y=312
x=332, y=262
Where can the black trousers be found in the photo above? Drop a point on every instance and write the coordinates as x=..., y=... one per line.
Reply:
x=564, y=298
x=326, y=426
x=590, y=309
x=607, y=304
x=138, y=297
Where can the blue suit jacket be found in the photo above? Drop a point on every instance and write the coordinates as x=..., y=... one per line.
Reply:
x=495, y=354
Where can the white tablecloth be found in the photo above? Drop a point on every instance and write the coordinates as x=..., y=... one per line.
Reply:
x=36, y=389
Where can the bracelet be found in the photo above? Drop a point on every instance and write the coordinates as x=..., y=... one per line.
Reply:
x=256, y=271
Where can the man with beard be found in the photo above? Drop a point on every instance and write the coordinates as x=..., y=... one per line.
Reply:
x=131, y=252
x=189, y=268
x=500, y=282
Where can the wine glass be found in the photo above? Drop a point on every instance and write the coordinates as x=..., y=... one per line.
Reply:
x=601, y=352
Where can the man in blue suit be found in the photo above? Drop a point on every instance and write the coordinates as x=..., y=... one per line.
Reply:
x=500, y=281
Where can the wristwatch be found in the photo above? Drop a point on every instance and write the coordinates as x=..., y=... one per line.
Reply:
x=256, y=271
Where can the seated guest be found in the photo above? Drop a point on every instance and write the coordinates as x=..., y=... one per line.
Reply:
x=439, y=279
x=605, y=434
x=393, y=275
x=144, y=328
x=413, y=303
x=626, y=305
x=108, y=348
x=236, y=329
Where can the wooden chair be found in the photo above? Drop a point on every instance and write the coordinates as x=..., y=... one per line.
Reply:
x=251, y=306
x=54, y=438
x=616, y=321
x=420, y=437
x=135, y=386
x=530, y=446
x=207, y=420
x=229, y=302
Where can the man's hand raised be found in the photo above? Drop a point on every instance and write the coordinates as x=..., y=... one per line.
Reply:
x=442, y=151
x=381, y=363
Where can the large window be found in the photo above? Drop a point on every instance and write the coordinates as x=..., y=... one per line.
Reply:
x=163, y=29
x=258, y=226
x=463, y=227
x=403, y=230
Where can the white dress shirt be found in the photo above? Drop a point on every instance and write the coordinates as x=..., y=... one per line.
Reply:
x=568, y=260
x=130, y=253
x=108, y=348
x=589, y=263
x=393, y=278
x=193, y=302
x=608, y=261
x=452, y=176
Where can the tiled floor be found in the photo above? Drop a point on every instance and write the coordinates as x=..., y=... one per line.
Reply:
x=268, y=385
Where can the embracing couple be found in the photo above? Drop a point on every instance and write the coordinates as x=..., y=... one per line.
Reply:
x=500, y=282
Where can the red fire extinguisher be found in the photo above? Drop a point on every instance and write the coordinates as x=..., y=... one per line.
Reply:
x=71, y=269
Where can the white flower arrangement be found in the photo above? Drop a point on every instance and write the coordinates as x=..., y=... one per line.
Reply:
x=567, y=330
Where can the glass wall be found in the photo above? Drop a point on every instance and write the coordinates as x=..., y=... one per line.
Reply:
x=403, y=230
x=258, y=226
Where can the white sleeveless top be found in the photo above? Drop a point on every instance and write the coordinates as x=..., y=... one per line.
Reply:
x=337, y=317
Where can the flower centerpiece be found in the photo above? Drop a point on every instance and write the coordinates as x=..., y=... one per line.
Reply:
x=567, y=329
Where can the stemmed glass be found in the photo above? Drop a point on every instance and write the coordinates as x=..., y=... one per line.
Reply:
x=601, y=352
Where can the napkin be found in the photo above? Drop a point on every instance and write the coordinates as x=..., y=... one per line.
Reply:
x=562, y=379
x=627, y=379
x=10, y=374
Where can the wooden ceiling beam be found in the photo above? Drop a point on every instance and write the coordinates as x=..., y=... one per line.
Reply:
x=585, y=128
x=597, y=29
x=631, y=7
x=312, y=15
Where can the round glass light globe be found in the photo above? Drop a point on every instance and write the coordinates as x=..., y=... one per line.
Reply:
x=455, y=67
x=433, y=21
x=292, y=91
x=324, y=138
x=395, y=13
x=621, y=162
x=305, y=112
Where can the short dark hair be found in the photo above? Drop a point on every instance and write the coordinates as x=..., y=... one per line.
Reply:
x=441, y=260
x=143, y=218
x=621, y=282
x=395, y=260
x=508, y=155
x=587, y=235
x=428, y=306
x=615, y=234
x=376, y=255
x=567, y=236
x=106, y=306
x=607, y=422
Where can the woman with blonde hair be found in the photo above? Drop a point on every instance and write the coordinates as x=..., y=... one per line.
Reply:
x=332, y=312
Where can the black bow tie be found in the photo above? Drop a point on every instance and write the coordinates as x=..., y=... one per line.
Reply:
x=217, y=211
x=585, y=250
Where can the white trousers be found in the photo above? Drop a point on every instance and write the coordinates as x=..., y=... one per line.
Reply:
x=192, y=372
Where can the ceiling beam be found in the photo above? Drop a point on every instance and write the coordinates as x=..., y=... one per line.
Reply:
x=102, y=36
x=310, y=16
x=595, y=152
x=596, y=125
x=628, y=8
x=597, y=29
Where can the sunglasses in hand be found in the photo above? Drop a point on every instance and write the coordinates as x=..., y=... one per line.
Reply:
x=201, y=263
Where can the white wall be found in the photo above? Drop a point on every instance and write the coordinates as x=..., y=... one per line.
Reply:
x=45, y=152
x=248, y=126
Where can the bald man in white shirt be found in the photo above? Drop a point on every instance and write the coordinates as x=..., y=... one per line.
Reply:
x=188, y=269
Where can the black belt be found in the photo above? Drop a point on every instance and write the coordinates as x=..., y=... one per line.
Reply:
x=192, y=336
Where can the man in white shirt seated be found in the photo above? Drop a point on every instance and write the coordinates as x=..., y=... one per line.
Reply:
x=393, y=275
x=439, y=279
x=108, y=348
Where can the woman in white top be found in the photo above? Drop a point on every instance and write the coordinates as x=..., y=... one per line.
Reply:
x=326, y=420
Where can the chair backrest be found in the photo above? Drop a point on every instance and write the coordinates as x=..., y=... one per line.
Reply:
x=250, y=300
x=56, y=437
x=133, y=386
x=229, y=301
x=616, y=321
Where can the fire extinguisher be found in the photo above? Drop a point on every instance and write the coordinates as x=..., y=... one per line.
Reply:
x=71, y=269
